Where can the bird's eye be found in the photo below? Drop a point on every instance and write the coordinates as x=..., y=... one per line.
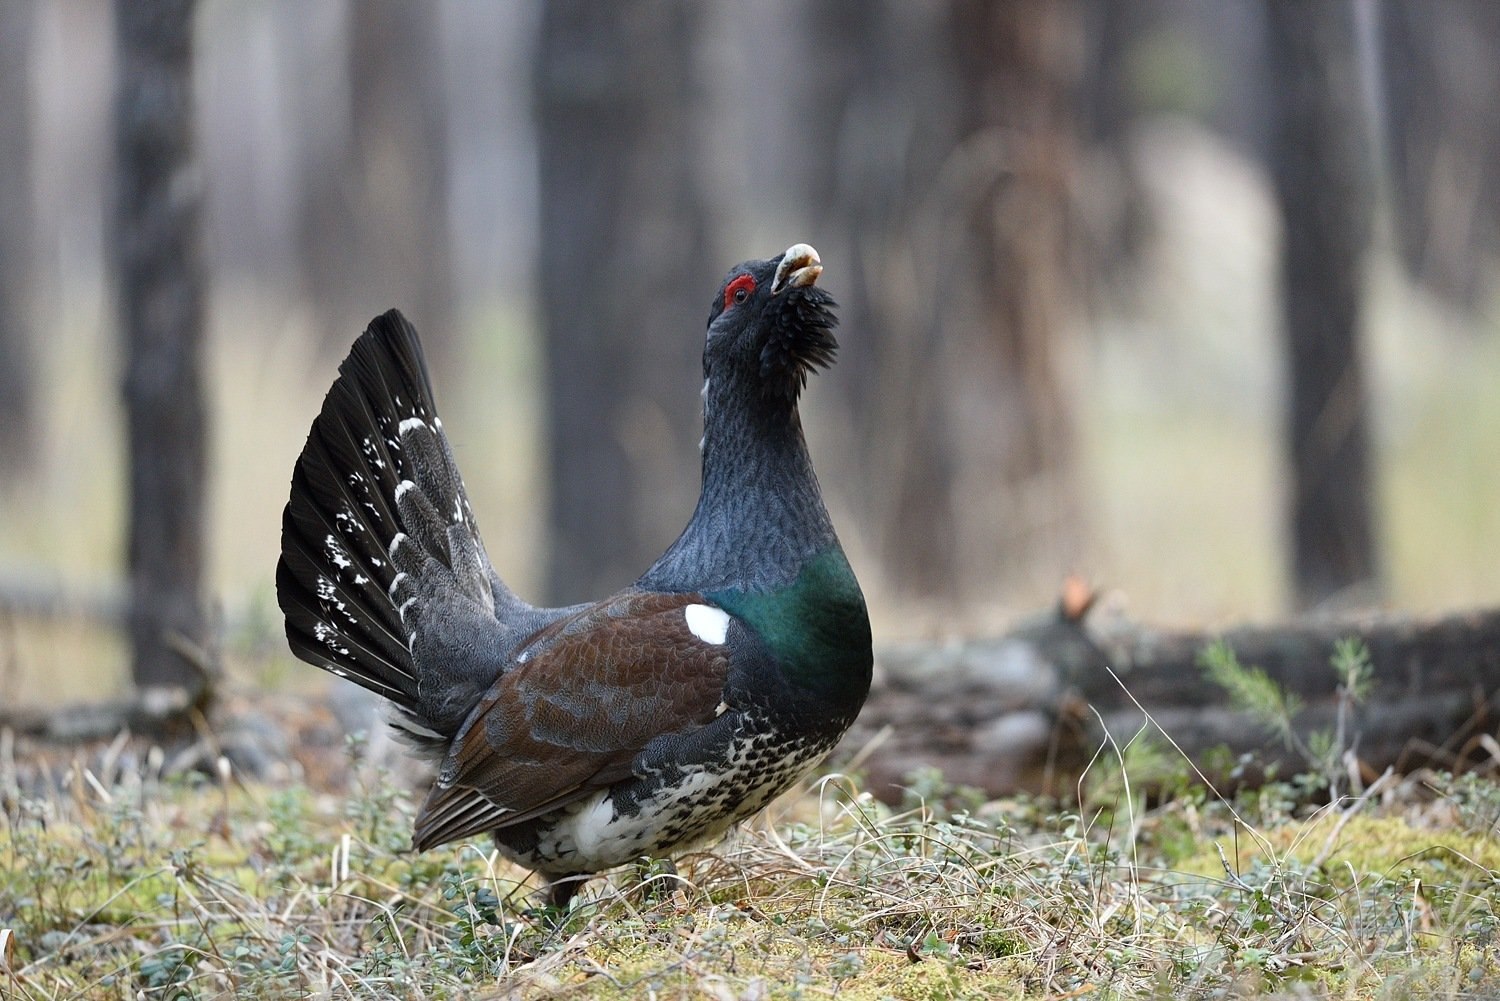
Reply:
x=737, y=291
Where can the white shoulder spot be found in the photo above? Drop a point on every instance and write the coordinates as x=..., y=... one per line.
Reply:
x=708, y=623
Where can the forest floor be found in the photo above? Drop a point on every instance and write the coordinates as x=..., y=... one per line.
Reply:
x=118, y=883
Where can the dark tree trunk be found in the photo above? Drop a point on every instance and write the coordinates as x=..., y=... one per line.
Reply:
x=940, y=152
x=625, y=280
x=1321, y=162
x=374, y=222
x=1005, y=287
x=17, y=372
x=159, y=264
x=1119, y=227
x=871, y=157
x=1441, y=76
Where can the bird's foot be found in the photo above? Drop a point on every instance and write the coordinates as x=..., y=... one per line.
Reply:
x=658, y=879
x=552, y=904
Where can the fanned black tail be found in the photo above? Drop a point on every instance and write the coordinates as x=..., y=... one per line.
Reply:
x=383, y=578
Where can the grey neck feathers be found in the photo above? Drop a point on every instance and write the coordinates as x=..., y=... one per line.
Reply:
x=760, y=515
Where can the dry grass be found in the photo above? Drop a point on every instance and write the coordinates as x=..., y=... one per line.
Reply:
x=124, y=884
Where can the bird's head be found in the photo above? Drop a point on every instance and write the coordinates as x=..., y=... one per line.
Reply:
x=770, y=325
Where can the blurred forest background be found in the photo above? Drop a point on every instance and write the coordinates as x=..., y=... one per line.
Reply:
x=1195, y=299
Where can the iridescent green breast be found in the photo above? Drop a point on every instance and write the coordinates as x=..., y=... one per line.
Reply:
x=816, y=627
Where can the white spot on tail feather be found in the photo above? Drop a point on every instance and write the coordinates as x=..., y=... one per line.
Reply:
x=403, y=487
x=336, y=553
x=708, y=623
x=410, y=423
x=329, y=637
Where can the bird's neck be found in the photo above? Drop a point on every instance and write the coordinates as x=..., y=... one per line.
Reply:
x=761, y=546
x=760, y=515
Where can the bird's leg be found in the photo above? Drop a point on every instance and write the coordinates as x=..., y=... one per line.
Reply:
x=560, y=891
x=658, y=878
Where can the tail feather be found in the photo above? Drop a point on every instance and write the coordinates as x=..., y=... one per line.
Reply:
x=340, y=653
x=347, y=607
x=383, y=577
x=335, y=578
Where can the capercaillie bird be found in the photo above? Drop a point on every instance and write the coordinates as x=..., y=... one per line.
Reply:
x=587, y=737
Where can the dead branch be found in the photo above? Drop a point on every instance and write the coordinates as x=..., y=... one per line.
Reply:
x=1014, y=712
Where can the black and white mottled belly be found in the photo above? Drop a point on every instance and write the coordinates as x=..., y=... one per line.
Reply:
x=664, y=813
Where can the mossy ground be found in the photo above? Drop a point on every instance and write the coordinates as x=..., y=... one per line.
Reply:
x=203, y=887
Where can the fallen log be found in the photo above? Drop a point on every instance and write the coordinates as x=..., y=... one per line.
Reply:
x=142, y=711
x=159, y=710
x=1028, y=710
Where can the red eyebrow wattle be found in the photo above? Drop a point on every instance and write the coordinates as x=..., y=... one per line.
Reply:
x=746, y=282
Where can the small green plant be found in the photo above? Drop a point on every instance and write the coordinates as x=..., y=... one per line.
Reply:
x=1251, y=690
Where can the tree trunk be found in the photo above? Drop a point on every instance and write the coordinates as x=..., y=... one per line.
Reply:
x=871, y=157
x=1321, y=163
x=17, y=371
x=1443, y=140
x=374, y=222
x=1004, y=289
x=940, y=154
x=159, y=264
x=625, y=278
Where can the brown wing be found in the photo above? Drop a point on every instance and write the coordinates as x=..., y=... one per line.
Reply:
x=587, y=694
